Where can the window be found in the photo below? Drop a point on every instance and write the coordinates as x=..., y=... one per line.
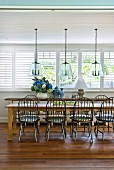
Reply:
x=5, y=70
x=23, y=61
x=108, y=70
x=15, y=67
x=48, y=63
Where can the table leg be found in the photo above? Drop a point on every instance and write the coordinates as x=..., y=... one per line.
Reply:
x=14, y=122
x=10, y=124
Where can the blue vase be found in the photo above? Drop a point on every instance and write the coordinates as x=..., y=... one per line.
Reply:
x=56, y=92
x=61, y=93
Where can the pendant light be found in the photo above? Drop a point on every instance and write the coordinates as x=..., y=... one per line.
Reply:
x=65, y=68
x=96, y=67
x=35, y=68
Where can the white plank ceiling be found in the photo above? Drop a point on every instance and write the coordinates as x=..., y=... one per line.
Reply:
x=18, y=26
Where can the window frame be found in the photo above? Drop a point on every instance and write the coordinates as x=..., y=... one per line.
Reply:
x=13, y=51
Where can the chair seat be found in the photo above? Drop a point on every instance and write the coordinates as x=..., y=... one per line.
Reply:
x=105, y=118
x=29, y=119
x=55, y=119
x=81, y=118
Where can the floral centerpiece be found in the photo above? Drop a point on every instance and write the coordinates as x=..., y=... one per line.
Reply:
x=41, y=85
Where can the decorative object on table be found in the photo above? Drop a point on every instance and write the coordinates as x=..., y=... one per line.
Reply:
x=80, y=92
x=61, y=93
x=81, y=85
x=58, y=93
x=65, y=68
x=75, y=96
x=42, y=95
x=96, y=67
x=35, y=68
x=42, y=87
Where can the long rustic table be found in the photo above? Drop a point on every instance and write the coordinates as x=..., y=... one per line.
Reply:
x=14, y=99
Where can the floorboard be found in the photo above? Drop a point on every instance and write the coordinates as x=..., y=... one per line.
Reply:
x=55, y=154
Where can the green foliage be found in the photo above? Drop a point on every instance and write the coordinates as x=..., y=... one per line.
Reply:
x=106, y=72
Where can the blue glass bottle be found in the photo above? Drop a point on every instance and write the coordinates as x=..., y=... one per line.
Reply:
x=61, y=93
x=56, y=92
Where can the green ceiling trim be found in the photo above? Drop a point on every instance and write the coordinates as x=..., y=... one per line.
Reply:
x=56, y=3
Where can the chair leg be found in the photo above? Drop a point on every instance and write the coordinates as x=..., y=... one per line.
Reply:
x=63, y=130
x=76, y=132
x=90, y=131
x=96, y=129
x=47, y=132
x=108, y=127
x=103, y=131
x=20, y=131
x=36, y=131
x=74, y=129
x=35, y=134
x=71, y=129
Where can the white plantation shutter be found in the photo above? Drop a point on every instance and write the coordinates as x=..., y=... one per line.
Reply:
x=23, y=61
x=108, y=70
x=5, y=70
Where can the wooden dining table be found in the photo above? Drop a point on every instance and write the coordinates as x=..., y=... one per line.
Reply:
x=14, y=99
x=13, y=108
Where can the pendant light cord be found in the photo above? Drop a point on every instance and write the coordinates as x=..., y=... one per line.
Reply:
x=36, y=45
x=65, y=44
x=95, y=45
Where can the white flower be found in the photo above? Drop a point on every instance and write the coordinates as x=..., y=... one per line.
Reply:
x=44, y=86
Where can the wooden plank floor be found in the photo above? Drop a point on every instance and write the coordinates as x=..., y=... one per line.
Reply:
x=55, y=154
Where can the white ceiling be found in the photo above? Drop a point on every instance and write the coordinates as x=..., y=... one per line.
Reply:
x=18, y=26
